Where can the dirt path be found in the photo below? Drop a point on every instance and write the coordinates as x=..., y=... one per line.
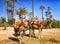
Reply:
x=46, y=34
x=4, y=34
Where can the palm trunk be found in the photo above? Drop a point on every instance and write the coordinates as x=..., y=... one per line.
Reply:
x=20, y=16
x=7, y=13
x=13, y=9
x=42, y=16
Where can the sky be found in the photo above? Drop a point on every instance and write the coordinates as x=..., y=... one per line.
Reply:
x=54, y=4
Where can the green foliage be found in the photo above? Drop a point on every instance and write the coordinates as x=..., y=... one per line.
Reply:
x=55, y=24
x=21, y=11
x=3, y=19
x=11, y=21
x=0, y=24
x=3, y=24
x=58, y=24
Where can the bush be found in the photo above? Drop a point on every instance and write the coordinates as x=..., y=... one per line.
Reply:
x=11, y=21
x=5, y=24
x=55, y=24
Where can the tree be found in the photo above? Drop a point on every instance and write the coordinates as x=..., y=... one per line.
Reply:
x=49, y=17
x=46, y=15
x=3, y=19
x=3, y=22
x=11, y=21
x=54, y=24
x=42, y=8
x=13, y=1
x=7, y=2
x=21, y=11
x=10, y=7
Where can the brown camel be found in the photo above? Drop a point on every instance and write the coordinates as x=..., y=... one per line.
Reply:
x=38, y=24
x=19, y=26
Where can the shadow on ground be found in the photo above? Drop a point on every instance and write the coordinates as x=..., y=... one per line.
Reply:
x=31, y=36
x=16, y=40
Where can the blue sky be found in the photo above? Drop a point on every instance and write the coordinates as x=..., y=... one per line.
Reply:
x=54, y=4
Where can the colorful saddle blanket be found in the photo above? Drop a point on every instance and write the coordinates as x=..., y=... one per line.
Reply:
x=38, y=22
x=23, y=22
x=16, y=24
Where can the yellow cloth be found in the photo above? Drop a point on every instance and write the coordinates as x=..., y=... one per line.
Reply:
x=16, y=25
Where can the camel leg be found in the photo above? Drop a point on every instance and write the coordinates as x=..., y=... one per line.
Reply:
x=23, y=32
x=39, y=33
x=33, y=32
x=41, y=29
x=20, y=40
x=30, y=32
x=15, y=30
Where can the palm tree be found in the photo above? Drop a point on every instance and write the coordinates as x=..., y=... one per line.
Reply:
x=7, y=2
x=13, y=5
x=9, y=10
x=42, y=8
x=46, y=14
x=21, y=11
x=49, y=8
x=49, y=16
x=49, y=13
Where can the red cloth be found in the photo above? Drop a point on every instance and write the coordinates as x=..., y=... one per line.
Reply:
x=39, y=22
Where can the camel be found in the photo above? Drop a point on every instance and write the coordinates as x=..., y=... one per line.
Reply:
x=20, y=25
x=38, y=25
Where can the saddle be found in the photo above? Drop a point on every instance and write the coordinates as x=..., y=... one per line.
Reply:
x=23, y=22
x=36, y=22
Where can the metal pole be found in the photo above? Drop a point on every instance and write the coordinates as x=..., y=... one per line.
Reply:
x=33, y=8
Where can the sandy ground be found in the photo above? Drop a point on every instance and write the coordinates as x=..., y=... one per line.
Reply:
x=48, y=36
